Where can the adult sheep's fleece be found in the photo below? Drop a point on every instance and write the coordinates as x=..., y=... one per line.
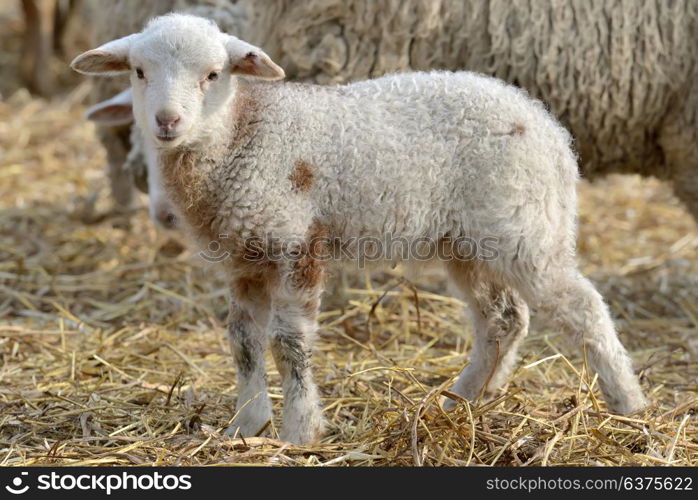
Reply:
x=620, y=75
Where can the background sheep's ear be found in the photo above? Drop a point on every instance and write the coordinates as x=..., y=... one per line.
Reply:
x=116, y=111
x=110, y=58
x=248, y=60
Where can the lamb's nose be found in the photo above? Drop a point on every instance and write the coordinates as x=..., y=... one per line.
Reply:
x=166, y=120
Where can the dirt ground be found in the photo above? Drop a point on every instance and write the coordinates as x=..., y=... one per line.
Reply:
x=113, y=351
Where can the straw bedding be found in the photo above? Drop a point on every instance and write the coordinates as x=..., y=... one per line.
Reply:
x=113, y=352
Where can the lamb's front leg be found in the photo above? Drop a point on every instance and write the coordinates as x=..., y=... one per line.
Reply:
x=293, y=326
x=247, y=331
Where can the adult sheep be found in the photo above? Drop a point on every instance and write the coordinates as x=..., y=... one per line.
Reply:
x=282, y=171
x=620, y=75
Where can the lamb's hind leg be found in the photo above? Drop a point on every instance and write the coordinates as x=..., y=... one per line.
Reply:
x=577, y=308
x=247, y=324
x=500, y=318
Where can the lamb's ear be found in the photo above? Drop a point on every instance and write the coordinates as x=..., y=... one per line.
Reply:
x=116, y=111
x=110, y=58
x=248, y=60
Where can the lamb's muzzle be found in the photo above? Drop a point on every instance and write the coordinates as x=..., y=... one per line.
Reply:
x=418, y=157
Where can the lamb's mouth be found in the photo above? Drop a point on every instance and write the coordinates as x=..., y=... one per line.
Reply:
x=167, y=138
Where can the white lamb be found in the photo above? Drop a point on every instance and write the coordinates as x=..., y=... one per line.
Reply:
x=263, y=166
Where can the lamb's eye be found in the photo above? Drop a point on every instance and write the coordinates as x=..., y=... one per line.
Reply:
x=139, y=73
x=212, y=76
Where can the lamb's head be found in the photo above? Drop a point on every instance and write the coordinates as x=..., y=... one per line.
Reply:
x=183, y=71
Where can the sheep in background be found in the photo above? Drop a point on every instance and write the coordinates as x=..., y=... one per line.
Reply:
x=141, y=162
x=47, y=24
x=293, y=168
x=620, y=75
x=37, y=46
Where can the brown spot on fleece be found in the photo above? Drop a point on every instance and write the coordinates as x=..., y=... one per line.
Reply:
x=518, y=129
x=303, y=176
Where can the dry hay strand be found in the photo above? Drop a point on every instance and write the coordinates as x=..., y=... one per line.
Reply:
x=113, y=351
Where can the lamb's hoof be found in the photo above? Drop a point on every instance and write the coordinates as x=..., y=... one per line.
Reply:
x=628, y=405
x=303, y=429
x=448, y=403
x=252, y=420
x=247, y=428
